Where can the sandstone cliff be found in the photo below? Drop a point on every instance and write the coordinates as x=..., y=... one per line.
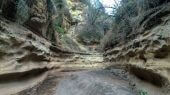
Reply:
x=37, y=16
x=146, y=52
x=26, y=48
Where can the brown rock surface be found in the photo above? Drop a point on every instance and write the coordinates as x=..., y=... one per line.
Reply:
x=22, y=56
x=147, y=53
x=21, y=50
x=40, y=16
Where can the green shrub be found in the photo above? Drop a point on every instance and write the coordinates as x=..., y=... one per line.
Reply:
x=94, y=25
x=57, y=24
x=60, y=30
x=141, y=92
x=22, y=14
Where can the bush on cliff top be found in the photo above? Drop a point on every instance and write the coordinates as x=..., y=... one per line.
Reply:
x=126, y=17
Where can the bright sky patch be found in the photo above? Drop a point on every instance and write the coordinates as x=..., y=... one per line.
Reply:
x=108, y=4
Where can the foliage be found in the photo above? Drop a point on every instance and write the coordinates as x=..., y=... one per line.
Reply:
x=141, y=92
x=126, y=10
x=22, y=14
x=58, y=27
x=51, y=7
x=89, y=35
x=95, y=23
x=133, y=8
x=126, y=16
x=60, y=30
x=93, y=12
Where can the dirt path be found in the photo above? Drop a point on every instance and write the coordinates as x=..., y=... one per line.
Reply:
x=86, y=82
x=93, y=83
x=86, y=75
x=81, y=75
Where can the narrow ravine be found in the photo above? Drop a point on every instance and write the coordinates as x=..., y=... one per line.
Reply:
x=84, y=47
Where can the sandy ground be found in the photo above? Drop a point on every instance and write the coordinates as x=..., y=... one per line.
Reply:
x=79, y=76
x=95, y=82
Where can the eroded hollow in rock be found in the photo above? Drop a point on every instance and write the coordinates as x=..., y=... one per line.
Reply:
x=149, y=76
x=21, y=75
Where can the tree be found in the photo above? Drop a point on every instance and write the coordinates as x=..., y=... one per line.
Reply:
x=22, y=14
x=96, y=23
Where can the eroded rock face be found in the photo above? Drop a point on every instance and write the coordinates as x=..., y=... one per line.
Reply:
x=148, y=53
x=26, y=49
x=20, y=49
x=38, y=20
x=76, y=8
x=24, y=58
x=40, y=13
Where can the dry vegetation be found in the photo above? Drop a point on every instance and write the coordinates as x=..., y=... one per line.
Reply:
x=126, y=18
x=96, y=23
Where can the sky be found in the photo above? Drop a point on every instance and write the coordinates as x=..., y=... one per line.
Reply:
x=109, y=3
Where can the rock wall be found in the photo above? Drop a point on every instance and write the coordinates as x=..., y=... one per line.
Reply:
x=40, y=16
x=76, y=8
x=26, y=49
x=21, y=52
x=147, y=52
